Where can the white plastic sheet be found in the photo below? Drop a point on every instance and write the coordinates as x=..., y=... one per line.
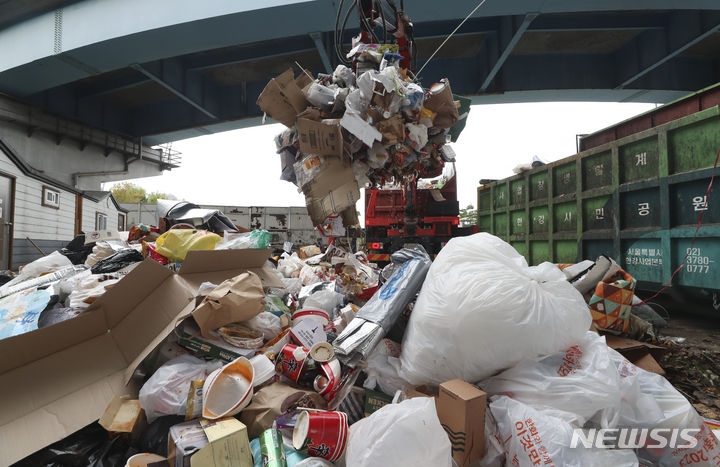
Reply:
x=408, y=433
x=482, y=309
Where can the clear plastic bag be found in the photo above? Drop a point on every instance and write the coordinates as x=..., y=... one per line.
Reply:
x=306, y=168
x=165, y=393
x=257, y=239
x=267, y=323
x=321, y=96
x=481, y=309
x=408, y=433
x=379, y=370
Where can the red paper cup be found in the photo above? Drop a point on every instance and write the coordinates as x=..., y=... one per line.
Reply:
x=332, y=373
x=311, y=313
x=291, y=360
x=324, y=434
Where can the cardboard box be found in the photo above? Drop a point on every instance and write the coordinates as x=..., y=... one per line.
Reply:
x=283, y=97
x=332, y=190
x=124, y=417
x=321, y=139
x=58, y=379
x=227, y=445
x=461, y=410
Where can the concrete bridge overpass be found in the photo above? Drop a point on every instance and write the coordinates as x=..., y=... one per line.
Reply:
x=162, y=70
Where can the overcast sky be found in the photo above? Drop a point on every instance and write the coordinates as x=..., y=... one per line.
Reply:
x=241, y=168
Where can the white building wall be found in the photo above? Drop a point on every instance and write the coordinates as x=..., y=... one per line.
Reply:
x=105, y=206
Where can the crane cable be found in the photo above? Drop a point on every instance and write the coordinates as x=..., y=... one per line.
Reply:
x=482, y=2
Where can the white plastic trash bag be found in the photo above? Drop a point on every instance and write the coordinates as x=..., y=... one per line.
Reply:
x=408, y=433
x=649, y=401
x=165, y=393
x=482, y=309
x=581, y=379
x=47, y=264
x=534, y=437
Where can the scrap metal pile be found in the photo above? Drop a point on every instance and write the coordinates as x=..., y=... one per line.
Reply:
x=347, y=131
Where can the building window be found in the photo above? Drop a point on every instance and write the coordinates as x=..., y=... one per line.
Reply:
x=50, y=197
x=121, y=222
x=100, y=221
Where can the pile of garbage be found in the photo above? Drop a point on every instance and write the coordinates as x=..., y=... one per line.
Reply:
x=347, y=130
x=319, y=358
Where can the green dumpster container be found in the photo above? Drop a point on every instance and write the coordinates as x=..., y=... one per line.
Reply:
x=636, y=199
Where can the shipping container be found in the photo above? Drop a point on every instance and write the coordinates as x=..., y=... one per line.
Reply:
x=636, y=199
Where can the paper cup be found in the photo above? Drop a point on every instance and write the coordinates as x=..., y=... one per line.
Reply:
x=311, y=313
x=264, y=369
x=291, y=360
x=143, y=459
x=273, y=348
x=328, y=382
x=229, y=389
x=323, y=434
x=322, y=352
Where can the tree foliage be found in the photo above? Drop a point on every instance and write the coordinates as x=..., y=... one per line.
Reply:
x=127, y=192
x=152, y=197
x=468, y=216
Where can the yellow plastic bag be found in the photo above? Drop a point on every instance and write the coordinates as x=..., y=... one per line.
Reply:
x=175, y=244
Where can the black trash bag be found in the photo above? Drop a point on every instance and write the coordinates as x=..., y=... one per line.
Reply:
x=155, y=436
x=57, y=314
x=117, y=261
x=76, y=251
x=5, y=278
x=88, y=446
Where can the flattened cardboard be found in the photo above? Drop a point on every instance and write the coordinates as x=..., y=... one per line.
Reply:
x=460, y=405
x=58, y=379
x=641, y=354
x=283, y=98
x=332, y=190
x=319, y=138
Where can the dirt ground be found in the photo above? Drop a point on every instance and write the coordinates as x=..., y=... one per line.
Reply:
x=693, y=366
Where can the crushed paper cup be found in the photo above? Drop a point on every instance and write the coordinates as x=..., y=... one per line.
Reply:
x=323, y=434
x=229, y=389
x=291, y=360
x=328, y=382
